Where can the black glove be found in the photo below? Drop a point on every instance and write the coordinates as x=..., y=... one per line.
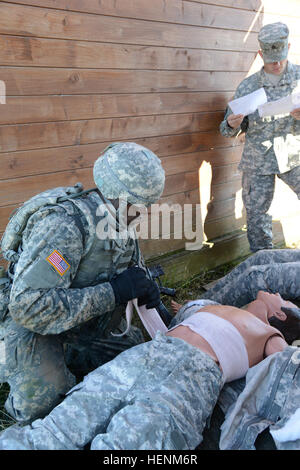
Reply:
x=152, y=297
x=133, y=283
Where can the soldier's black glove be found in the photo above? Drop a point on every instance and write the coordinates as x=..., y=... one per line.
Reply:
x=152, y=298
x=133, y=283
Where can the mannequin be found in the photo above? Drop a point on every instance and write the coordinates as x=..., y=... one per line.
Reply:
x=159, y=394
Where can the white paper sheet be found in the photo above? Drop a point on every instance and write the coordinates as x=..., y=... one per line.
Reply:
x=283, y=106
x=249, y=103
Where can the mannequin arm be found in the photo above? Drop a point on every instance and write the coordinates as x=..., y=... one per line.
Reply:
x=275, y=344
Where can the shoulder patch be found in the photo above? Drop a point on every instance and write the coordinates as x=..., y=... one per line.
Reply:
x=58, y=262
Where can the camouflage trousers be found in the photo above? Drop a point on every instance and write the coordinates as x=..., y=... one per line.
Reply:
x=41, y=369
x=157, y=395
x=268, y=270
x=258, y=192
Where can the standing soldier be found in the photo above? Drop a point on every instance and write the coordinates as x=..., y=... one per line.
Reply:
x=272, y=144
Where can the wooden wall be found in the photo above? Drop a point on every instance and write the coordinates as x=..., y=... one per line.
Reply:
x=80, y=74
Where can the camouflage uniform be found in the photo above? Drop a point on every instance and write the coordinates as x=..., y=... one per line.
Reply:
x=272, y=145
x=67, y=312
x=157, y=395
x=272, y=271
x=271, y=396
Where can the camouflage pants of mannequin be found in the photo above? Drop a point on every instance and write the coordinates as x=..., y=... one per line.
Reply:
x=258, y=192
x=157, y=395
x=41, y=369
x=269, y=270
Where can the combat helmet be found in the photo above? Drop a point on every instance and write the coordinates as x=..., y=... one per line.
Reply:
x=130, y=171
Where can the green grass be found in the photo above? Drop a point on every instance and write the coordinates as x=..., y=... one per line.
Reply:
x=5, y=419
x=191, y=289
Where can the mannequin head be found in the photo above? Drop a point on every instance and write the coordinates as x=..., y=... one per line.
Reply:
x=290, y=328
x=273, y=302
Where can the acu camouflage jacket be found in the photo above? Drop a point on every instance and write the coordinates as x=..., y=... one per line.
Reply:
x=62, y=275
x=272, y=143
x=270, y=398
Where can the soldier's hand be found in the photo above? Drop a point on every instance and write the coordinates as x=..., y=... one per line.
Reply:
x=152, y=298
x=235, y=120
x=296, y=114
x=133, y=283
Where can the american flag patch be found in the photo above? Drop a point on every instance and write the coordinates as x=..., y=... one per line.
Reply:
x=58, y=262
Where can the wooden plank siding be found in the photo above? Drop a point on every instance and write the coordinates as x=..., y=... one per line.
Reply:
x=80, y=74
